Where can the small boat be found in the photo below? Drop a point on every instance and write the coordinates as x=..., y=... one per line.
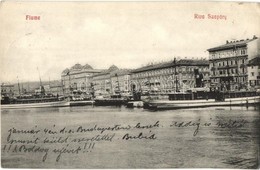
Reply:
x=81, y=102
x=132, y=104
x=113, y=100
x=79, y=98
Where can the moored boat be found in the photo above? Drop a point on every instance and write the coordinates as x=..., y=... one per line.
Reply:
x=132, y=104
x=81, y=102
x=80, y=98
x=182, y=104
x=35, y=105
x=33, y=101
x=113, y=100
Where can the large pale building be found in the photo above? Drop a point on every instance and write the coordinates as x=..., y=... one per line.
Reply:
x=111, y=81
x=78, y=78
x=120, y=80
x=102, y=81
x=170, y=76
x=228, y=63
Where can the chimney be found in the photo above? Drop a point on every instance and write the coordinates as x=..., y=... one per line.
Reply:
x=255, y=37
x=227, y=42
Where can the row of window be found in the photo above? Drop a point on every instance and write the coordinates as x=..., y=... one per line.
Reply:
x=229, y=71
x=168, y=71
x=227, y=53
x=228, y=62
x=255, y=73
x=235, y=79
x=254, y=82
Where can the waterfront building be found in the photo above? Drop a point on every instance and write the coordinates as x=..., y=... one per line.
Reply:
x=253, y=68
x=228, y=63
x=120, y=81
x=7, y=89
x=78, y=78
x=102, y=83
x=56, y=88
x=172, y=76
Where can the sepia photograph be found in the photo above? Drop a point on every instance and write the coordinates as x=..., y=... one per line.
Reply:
x=130, y=85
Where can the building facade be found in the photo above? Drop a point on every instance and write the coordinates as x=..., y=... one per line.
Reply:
x=111, y=81
x=228, y=63
x=173, y=76
x=102, y=81
x=7, y=89
x=120, y=81
x=78, y=78
x=253, y=68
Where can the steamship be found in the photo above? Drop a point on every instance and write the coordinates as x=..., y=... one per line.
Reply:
x=200, y=96
x=37, y=100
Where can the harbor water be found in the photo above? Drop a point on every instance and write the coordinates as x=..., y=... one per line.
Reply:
x=130, y=138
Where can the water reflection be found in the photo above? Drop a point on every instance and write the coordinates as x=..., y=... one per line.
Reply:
x=214, y=146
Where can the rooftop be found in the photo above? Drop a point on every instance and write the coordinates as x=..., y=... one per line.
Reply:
x=232, y=44
x=254, y=61
x=78, y=68
x=182, y=62
x=107, y=71
x=120, y=72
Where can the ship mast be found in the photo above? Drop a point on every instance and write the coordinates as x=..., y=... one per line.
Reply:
x=175, y=73
x=41, y=87
x=28, y=88
x=118, y=87
x=18, y=86
x=39, y=77
x=49, y=85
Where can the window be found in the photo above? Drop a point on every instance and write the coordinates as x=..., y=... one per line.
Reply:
x=252, y=74
x=243, y=52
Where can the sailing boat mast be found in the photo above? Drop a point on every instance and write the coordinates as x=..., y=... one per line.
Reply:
x=175, y=73
x=18, y=86
x=49, y=85
x=28, y=88
x=118, y=83
x=39, y=76
x=41, y=87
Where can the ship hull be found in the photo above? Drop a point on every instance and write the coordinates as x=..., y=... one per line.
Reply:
x=82, y=103
x=182, y=104
x=36, y=105
x=110, y=102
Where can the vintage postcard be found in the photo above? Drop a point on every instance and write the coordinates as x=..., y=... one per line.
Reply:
x=130, y=85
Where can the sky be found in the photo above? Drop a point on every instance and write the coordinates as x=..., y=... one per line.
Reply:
x=127, y=34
